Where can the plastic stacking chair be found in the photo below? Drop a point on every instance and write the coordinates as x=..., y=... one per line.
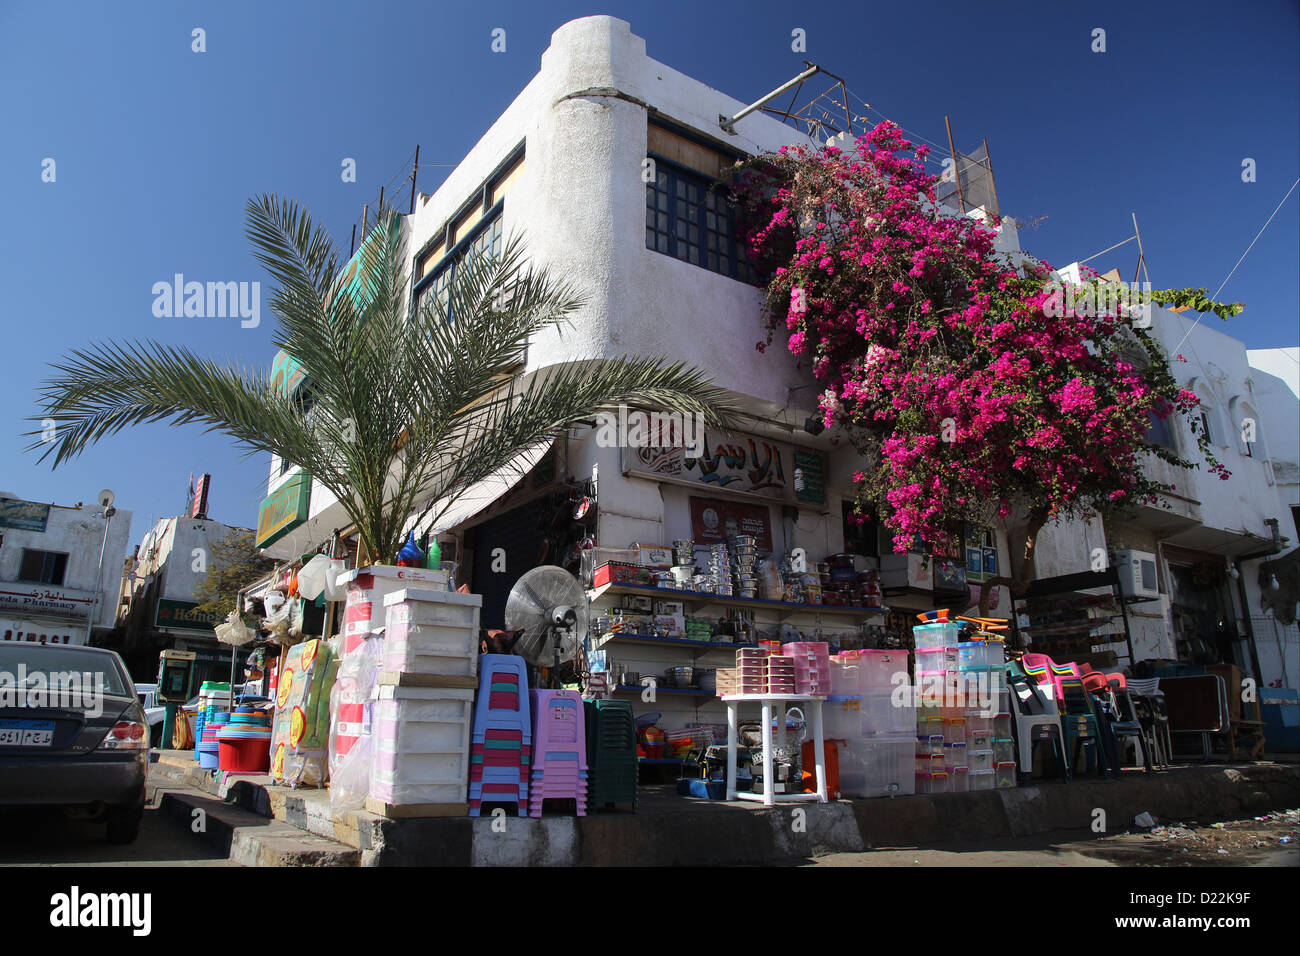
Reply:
x=1081, y=722
x=1124, y=727
x=1149, y=703
x=559, y=750
x=501, y=745
x=1037, y=719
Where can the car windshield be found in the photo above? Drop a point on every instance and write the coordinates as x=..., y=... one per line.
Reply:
x=25, y=666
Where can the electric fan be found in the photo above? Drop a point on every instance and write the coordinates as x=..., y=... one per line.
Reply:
x=548, y=606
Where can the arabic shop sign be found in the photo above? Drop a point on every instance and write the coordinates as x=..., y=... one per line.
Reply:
x=182, y=615
x=23, y=515
x=739, y=463
x=283, y=510
x=41, y=600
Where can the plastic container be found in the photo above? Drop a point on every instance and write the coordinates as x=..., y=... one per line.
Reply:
x=883, y=714
x=977, y=722
x=1004, y=750
x=954, y=729
x=937, y=634
x=970, y=654
x=1002, y=725
x=981, y=779
x=432, y=632
x=932, y=744
x=980, y=740
x=1004, y=775
x=928, y=763
x=245, y=754
x=880, y=670
x=995, y=654
x=979, y=759
x=929, y=726
x=958, y=780
x=845, y=681
x=955, y=755
x=878, y=767
x=842, y=718
x=932, y=783
x=935, y=659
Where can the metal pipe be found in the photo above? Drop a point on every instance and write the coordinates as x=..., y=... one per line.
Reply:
x=728, y=124
x=99, y=581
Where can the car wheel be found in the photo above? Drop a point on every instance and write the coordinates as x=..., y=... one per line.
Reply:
x=123, y=823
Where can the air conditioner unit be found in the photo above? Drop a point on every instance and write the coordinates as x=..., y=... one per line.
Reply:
x=1137, y=573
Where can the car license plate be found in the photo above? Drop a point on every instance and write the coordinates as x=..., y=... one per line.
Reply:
x=26, y=733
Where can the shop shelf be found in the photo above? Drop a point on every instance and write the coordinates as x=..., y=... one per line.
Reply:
x=701, y=599
x=626, y=638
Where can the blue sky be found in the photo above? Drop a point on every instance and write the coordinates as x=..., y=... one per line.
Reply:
x=157, y=148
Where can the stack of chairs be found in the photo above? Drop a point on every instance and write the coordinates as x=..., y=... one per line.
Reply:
x=611, y=753
x=560, y=754
x=503, y=734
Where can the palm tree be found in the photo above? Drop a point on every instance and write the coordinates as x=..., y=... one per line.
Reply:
x=404, y=405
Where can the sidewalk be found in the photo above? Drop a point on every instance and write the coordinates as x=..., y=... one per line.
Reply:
x=670, y=830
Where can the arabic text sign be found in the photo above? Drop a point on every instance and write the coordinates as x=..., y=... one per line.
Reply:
x=45, y=601
x=23, y=515
x=745, y=463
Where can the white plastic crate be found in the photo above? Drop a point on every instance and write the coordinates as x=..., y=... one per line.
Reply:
x=438, y=725
x=436, y=607
x=881, y=714
x=421, y=745
x=878, y=766
x=431, y=649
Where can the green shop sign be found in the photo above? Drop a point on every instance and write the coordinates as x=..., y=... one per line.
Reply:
x=183, y=616
x=283, y=510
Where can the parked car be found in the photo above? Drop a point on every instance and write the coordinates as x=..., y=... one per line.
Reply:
x=73, y=734
x=154, y=711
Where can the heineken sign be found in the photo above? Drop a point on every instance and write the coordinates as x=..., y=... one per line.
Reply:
x=283, y=510
x=184, y=616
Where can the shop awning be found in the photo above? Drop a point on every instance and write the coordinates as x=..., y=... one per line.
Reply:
x=482, y=495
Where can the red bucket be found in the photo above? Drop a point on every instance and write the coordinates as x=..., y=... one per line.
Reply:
x=244, y=756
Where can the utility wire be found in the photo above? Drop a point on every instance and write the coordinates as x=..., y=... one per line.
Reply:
x=1243, y=257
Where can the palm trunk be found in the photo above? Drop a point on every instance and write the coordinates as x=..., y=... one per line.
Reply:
x=1017, y=582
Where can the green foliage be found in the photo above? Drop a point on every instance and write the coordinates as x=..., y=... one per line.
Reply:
x=232, y=565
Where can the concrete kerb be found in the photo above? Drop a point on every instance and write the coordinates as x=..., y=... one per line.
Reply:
x=710, y=833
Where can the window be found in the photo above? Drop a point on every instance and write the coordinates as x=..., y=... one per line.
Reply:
x=692, y=218
x=1205, y=425
x=484, y=240
x=43, y=567
x=1159, y=432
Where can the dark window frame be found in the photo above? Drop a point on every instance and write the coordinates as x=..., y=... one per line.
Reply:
x=714, y=204
x=455, y=256
x=50, y=569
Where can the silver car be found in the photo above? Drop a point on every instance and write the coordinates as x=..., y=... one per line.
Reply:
x=72, y=734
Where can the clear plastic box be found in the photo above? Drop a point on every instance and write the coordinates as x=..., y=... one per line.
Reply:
x=980, y=739
x=882, y=714
x=955, y=755
x=842, y=718
x=937, y=634
x=954, y=729
x=878, y=766
x=936, y=659
x=878, y=670
x=979, y=759
x=1004, y=775
x=1004, y=750
x=932, y=783
x=959, y=780
x=981, y=779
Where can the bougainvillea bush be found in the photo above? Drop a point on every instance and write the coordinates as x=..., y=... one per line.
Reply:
x=951, y=368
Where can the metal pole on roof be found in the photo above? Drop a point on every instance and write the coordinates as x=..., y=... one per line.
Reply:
x=728, y=124
x=956, y=172
x=415, y=172
x=1142, y=256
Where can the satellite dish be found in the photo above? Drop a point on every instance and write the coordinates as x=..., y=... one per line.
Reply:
x=548, y=605
x=106, y=498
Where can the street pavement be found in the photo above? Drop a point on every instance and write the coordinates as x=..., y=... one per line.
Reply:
x=47, y=838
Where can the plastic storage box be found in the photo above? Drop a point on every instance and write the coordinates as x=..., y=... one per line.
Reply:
x=980, y=740
x=1004, y=775
x=878, y=766
x=842, y=718
x=938, y=634
x=932, y=783
x=981, y=779
x=880, y=670
x=979, y=759
x=936, y=659
x=959, y=780
x=1004, y=750
x=883, y=714
x=955, y=755
x=954, y=729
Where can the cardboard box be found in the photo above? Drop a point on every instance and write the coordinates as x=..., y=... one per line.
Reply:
x=615, y=573
x=654, y=556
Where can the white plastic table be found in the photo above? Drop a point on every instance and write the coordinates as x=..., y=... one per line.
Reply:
x=769, y=796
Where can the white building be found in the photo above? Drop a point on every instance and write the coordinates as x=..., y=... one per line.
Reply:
x=161, y=581
x=50, y=569
x=565, y=167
